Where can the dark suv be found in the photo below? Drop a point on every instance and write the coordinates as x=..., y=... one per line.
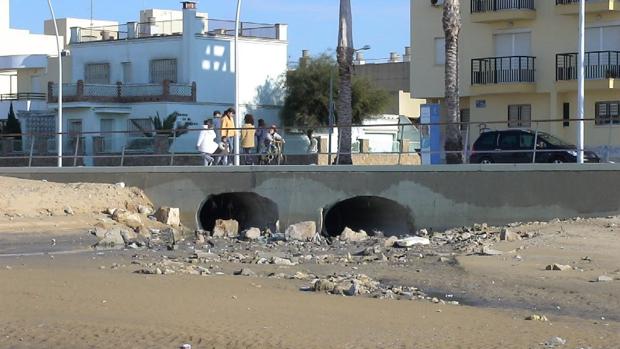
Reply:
x=517, y=146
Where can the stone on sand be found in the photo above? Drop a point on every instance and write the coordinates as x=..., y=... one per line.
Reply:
x=303, y=231
x=169, y=216
x=353, y=236
x=226, y=228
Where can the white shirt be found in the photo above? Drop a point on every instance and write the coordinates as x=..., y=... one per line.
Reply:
x=206, y=141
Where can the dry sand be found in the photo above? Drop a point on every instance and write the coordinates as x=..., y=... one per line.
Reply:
x=67, y=300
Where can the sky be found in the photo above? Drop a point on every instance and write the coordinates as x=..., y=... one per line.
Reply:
x=313, y=24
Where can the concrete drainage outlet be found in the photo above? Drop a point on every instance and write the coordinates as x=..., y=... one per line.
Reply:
x=249, y=209
x=368, y=213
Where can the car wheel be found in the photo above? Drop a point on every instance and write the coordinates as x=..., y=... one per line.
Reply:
x=486, y=161
x=557, y=161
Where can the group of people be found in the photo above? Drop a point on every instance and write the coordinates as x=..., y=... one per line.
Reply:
x=216, y=141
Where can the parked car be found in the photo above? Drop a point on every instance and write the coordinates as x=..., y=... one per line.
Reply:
x=517, y=146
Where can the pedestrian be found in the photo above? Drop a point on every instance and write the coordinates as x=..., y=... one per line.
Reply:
x=229, y=131
x=217, y=123
x=313, y=148
x=248, y=133
x=261, y=136
x=222, y=152
x=206, y=142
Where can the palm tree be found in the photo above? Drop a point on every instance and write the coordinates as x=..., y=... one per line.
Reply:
x=345, y=53
x=452, y=26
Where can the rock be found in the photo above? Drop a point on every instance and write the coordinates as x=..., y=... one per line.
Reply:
x=129, y=219
x=245, y=272
x=558, y=267
x=507, y=235
x=69, y=211
x=281, y=261
x=252, y=234
x=226, y=228
x=353, y=236
x=110, y=211
x=555, y=342
x=487, y=251
x=389, y=242
x=171, y=236
x=536, y=317
x=110, y=238
x=185, y=346
x=604, y=278
x=129, y=236
x=145, y=210
x=323, y=285
x=354, y=290
x=422, y=232
x=169, y=216
x=304, y=231
x=412, y=241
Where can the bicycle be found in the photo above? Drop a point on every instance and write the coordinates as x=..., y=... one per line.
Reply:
x=274, y=154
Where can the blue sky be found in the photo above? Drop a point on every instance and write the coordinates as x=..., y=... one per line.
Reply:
x=383, y=24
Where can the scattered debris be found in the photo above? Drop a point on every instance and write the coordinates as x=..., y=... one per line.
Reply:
x=412, y=241
x=555, y=342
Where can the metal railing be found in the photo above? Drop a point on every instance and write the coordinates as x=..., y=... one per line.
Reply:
x=126, y=148
x=570, y=2
x=123, y=93
x=497, y=70
x=598, y=65
x=134, y=30
x=478, y=6
x=22, y=96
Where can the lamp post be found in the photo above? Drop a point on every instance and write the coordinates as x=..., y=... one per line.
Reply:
x=580, y=81
x=59, y=122
x=237, y=112
x=331, y=109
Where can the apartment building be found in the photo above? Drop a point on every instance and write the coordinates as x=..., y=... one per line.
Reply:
x=171, y=61
x=518, y=64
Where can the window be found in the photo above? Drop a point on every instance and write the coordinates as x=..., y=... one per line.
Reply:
x=603, y=38
x=440, y=51
x=97, y=73
x=607, y=113
x=509, y=140
x=520, y=115
x=106, y=126
x=487, y=141
x=526, y=141
x=126, y=72
x=465, y=119
x=163, y=69
x=566, y=114
x=512, y=44
x=137, y=127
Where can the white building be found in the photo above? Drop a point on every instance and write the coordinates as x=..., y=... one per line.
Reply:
x=176, y=61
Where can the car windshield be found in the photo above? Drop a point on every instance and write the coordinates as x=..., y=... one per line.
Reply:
x=553, y=140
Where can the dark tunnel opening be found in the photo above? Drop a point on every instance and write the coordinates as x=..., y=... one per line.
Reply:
x=369, y=213
x=249, y=209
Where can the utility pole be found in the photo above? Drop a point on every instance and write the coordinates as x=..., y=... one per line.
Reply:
x=580, y=81
x=59, y=48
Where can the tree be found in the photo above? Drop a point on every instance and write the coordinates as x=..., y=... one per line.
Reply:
x=306, y=102
x=167, y=127
x=451, y=21
x=13, y=125
x=345, y=53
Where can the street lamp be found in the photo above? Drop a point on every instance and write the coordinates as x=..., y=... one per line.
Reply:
x=580, y=81
x=331, y=108
x=237, y=111
x=59, y=48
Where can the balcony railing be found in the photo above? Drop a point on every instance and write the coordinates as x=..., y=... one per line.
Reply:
x=478, y=6
x=598, y=65
x=22, y=96
x=209, y=27
x=123, y=93
x=499, y=70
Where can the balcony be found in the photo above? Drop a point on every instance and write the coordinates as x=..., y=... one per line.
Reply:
x=602, y=70
x=512, y=74
x=174, y=28
x=502, y=10
x=123, y=93
x=571, y=7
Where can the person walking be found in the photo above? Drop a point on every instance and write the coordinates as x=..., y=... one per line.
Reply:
x=313, y=148
x=261, y=136
x=206, y=144
x=229, y=131
x=217, y=123
x=248, y=133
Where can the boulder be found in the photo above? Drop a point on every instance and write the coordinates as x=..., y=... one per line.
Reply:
x=111, y=238
x=304, y=231
x=412, y=241
x=252, y=234
x=245, y=272
x=558, y=267
x=323, y=285
x=507, y=235
x=169, y=216
x=604, y=278
x=171, y=236
x=132, y=220
x=389, y=242
x=352, y=236
x=281, y=261
x=226, y=228
x=487, y=251
x=145, y=210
